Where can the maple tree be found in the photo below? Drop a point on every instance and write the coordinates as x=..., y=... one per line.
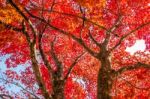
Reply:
x=63, y=40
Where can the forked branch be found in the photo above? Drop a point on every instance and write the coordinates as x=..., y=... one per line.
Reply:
x=112, y=29
x=93, y=39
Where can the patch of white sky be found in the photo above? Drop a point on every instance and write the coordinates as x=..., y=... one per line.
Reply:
x=148, y=4
x=138, y=46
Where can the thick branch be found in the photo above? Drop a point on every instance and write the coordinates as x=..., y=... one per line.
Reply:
x=132, y=67
x=128, y=34
x=37, y=72
x=81, y=42
x=58, y=63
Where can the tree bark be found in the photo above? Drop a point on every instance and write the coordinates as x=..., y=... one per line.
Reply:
x=105, y=75
x=58, y=89
x=104, y=84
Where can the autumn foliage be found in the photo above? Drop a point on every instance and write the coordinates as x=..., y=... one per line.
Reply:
x=74, y=49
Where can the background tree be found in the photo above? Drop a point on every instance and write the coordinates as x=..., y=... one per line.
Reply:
x=103, y=28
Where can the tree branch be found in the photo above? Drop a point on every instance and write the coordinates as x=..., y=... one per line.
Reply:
x=26, y=19
x=112, y=29
x=80, y=41
x=46, y=62
x=3, y=96
x=118, y=21
x=53, y=54
x=24, y=30
x=10, y=27
x=132, y=67
x=44, y=58
x=128, y=82
x=93, y=39
x=18, y=85
x=59, y=71
x=72, y=66
x=52, y=6
x=125, y=36
x=83, y=24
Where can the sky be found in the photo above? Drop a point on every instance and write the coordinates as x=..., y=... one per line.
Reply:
x=138, y=46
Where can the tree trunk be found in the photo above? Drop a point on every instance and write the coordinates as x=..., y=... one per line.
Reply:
x=104, y=84
x=58, y=89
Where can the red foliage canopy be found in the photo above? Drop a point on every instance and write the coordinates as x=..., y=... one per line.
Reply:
x=71, y=28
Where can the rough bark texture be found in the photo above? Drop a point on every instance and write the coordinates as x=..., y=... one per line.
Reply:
x=58, y=89
x=104, y=85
